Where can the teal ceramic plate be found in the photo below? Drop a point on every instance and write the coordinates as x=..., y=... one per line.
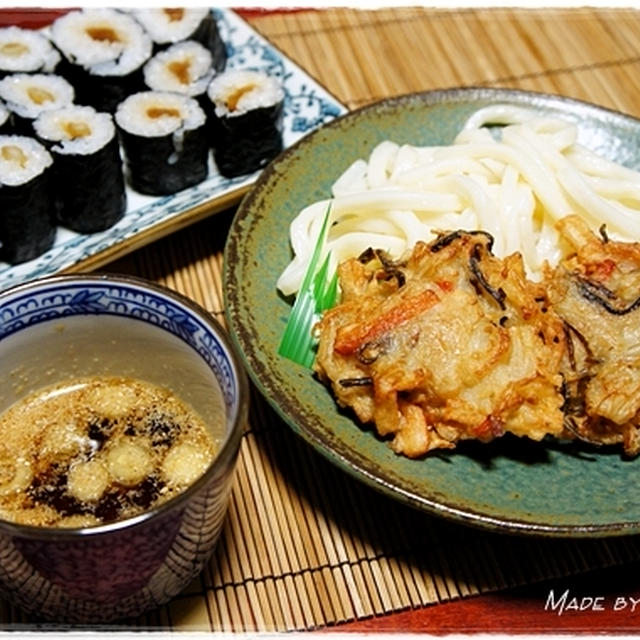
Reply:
x=510, y=485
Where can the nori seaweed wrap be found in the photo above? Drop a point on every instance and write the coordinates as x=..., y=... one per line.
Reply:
x=27, y=228
x=27, y=95
x=245, y=120
x=104, y=51
x=26, y=51
x=169, y=26
x=88, y=176
x=163, y=135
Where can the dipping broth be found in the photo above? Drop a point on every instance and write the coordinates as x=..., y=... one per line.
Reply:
x=92, y=450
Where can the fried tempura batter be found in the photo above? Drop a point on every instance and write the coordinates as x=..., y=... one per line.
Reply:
x=596, y=291
x=452, y=343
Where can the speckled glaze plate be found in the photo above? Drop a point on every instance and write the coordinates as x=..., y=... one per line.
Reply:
x=512, y=485
x=307, y=105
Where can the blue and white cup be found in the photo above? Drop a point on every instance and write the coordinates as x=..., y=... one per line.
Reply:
x=67, y=326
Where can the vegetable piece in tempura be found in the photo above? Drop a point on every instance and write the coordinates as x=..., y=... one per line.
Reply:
x=596, y=291
x=449, y=344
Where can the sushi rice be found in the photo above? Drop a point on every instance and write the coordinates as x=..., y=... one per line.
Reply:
x=238, y=91
x=151, y=114
x=75, y=130
x=168, y=26
x=185, y=67
x=21, y=160
x=105, y=42
x=28, y=95
x=26, y=51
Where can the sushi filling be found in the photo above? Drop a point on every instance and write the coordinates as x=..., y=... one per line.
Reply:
x=168, y=26
x=105, y=42
x=75, y=130
x=21, y=160
x=185, y=67
x=25, y=50
x=235, y=93
x=29, y=95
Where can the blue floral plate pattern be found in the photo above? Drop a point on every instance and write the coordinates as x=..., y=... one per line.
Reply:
x=307, y=106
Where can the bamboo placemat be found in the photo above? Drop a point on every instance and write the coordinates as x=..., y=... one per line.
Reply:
x=306, y=546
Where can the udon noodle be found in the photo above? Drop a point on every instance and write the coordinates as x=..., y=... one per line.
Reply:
x=516, y=185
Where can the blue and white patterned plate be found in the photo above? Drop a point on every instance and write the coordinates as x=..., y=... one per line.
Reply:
x=307, y=106
x=58, y=298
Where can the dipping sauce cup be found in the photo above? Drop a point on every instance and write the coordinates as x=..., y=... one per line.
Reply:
x=72, y=326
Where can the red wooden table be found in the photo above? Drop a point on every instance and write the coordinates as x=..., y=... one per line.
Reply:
x=605, y=601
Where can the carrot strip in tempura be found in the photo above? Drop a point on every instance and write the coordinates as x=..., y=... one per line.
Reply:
x=348, y=339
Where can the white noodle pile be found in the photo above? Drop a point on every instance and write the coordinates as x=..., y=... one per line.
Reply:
x=516, y=187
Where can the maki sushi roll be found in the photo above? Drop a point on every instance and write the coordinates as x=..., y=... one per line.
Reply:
x=104, y=51
x=245, y=111
x=88, y=177
x=26, y=51
x=185, y=67
x=28, y=95
x=169, y=26
x=163, y=135
x=27, y=228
